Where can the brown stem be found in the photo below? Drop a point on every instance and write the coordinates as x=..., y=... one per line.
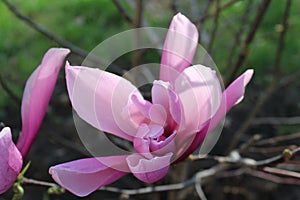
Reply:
x=243, y=53
x=215, y=27
x=122, y=11
x=75, y=49
x=273, y=85
x=7, y=89
x=137, y=24
x=238, y=34
x=210, y=15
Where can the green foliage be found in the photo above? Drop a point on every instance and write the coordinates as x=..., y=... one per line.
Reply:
x=87, y=23
x=84, y=23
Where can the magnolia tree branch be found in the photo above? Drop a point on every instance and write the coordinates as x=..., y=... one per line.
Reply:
x=249, y=38
x=214, y=27
x=276, y=121
x=210, y=15
x=274, y=83
x=239, y=33
x=235, y=158
x=224, y=164
x=75, y=49
x=123, y=11
x=9, y=91
x=278, y=139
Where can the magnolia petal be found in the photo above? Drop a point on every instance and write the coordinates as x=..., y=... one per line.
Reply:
x=199, y=93
x=138, y=109
x=149, y=170
x=157, y=114
x=233, y=95
x=164, y=145
x=179, y=48
x=163, y=94
x=141, y=141
x=37, y=94
x=101, y=99
x=82, y=177
x=10, y=160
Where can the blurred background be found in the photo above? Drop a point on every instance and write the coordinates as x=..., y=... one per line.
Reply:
x=238, y=34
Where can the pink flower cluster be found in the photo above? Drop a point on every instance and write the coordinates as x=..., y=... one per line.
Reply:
x=187, y=103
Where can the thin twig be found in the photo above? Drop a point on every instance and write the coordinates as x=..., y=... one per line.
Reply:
x=235, y=158
x=28, y=181
x=260, y=175
x=249, y=143
x=215, y=27
x=270, y=150
x=243, y=53
x=276, y=74
x=247, y=123
x=137, y=24
x=210, y=15
x=278, y=139
x=281, y=172
x=281, y=42
x=123, y=11
x=272, y=178
x=224, y=164
x=239, y=33
x=285, y=81
x=10, y=93
x=174, y=6
x=276, y=121
x=146, y=190
x=200, y=24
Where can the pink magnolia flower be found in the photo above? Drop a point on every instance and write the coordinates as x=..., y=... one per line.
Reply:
x=187, y=103
x=36, y=97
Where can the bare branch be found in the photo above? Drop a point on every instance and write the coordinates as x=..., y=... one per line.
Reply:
x=123, y=12
x=28, y=181
x=272, y=178
x=174, y=6
x=223, y=7
x=282, y=35
x=7, y=89
x=238, y=34
x=137, y=24
x=75, y=49
x=215, y=27
x=276, y=121
x=243, y=53
x=278, y=139
x=260, y=175
x=235, y=158
x=281, y=172
x=247, y=123
x=270, y=150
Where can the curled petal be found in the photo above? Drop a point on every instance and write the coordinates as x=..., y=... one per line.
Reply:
x=164, y=145
x=149, y=170
x=37, y=94
x=157, y=114
x=233, y=94
x=81, y=177
x=10, y=160
x=179, y=48
x=101, y=99
x=164, y=95
x=199, y=93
